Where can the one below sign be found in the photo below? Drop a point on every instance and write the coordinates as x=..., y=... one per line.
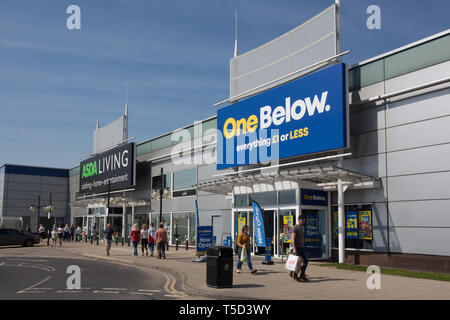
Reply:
x=204, y=239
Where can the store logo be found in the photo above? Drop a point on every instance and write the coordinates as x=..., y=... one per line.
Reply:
x=89, y=169
x=278, y=116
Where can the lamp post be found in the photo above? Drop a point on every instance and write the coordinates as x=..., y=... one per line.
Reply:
x=47, y=209
x=161, y=193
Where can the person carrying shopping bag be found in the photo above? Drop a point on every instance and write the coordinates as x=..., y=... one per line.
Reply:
x=243, y=243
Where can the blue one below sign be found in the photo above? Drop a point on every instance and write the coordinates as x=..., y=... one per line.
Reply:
x=204, y=239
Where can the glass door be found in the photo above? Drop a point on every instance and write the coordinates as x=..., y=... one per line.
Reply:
x=315, y=233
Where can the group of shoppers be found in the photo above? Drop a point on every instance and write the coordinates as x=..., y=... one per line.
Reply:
x=147, y=237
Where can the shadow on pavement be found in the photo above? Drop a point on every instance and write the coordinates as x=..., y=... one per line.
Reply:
x=248, y=285
x=323, y=279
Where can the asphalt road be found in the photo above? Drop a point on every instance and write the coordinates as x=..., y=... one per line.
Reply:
x=46, y=278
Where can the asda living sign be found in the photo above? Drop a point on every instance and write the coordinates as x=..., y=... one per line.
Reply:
x=303, y=116
x=112, y=170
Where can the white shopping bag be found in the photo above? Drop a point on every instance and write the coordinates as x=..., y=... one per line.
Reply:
x=293, y=263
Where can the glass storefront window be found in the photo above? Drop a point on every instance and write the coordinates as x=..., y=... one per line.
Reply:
x=156, y=183
x=286, y=221
x=183, y=180
x=358, y=227
x=180, y=227
x=287, y=197
x=241, y=200
x=264, y=198
x=165, y=219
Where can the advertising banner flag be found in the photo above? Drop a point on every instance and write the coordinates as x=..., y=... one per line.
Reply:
x=258, y=223
x=365, y=225
x=351, y=230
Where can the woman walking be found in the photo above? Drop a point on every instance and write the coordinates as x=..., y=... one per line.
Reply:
x=135, y=236
x=144, y=239
x=151, y=238
x=54, y=236
x=243, y=243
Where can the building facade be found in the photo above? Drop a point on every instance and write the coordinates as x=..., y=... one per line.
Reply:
x=395, y=168
x=26, y=190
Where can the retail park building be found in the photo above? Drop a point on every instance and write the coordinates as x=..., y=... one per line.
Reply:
x=393, y=172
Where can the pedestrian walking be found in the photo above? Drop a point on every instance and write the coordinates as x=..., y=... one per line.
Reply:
x=135, y=236
x=60, y=234
x=298, y=247
x=84, y=233
x=41, y=232
x=66, y=232
x=72, y=232
x=54, y=236
x=108, y=235
x=78, y=233
x=151, y=238
x=161, y=240
x=144, y=239
x=243, y=243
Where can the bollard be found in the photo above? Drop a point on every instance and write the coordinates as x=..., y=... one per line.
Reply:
x=48, y=239
x=123, y=241
x=176, y=244
x=187, y=244
x=85, y=238
x=92, y=239
x=97, y=239
x=128, y=241
x=117, y=240
x=167, y=249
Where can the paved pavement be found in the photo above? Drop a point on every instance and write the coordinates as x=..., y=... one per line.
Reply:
x=187, y=278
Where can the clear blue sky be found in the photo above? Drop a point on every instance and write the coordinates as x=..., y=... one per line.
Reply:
x=174, y=54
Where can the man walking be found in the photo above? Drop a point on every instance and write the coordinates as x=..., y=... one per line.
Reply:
x=108, y=237
x=161, y=240
x=298, y=246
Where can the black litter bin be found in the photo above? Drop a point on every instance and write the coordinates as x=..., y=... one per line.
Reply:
x=219, y=267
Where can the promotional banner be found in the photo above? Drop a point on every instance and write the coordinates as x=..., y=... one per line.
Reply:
x=312, y=236
x=365, y=225
x=110, y=171
x=351, y=223
x=288, y=223
x=304, y=116
x=241, y=222
x=258, y=223
x=204, y=239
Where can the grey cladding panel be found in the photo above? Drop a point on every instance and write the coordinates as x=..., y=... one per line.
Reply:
x=367, y=120
x=420, y=240
x=374, y=165
x=421, y=160
x=419, y=134
x=434, y=213
x=368, y=143
x=419, y=108
x=419, y=187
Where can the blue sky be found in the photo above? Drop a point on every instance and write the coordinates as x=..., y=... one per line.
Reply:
x=174, y=55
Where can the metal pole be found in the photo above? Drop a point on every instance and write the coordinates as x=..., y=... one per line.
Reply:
x=39, y=212
x=341, y=222
x=161, y=192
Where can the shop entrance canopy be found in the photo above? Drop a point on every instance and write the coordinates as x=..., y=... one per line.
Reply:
x=325, y=177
